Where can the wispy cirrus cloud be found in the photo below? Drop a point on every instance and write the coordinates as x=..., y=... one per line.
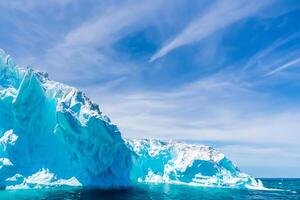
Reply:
x=276, y=57
x=265, y=54
x=90, y=43
x=113, y=22
x=292, y=63
x=202, y=110
x=219, y=15
x=29, y=5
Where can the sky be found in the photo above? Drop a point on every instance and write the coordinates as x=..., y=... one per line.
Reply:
x=223, y=73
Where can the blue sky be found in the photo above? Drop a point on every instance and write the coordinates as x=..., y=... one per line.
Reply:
x=223, y=73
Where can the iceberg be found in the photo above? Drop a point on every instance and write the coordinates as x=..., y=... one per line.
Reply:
x=50, y=128
x=53, y=135
x=173, y=162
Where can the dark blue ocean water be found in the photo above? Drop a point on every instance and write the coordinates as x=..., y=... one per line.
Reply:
x=290, y=189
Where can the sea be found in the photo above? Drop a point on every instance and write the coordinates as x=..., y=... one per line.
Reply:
x=286, y=189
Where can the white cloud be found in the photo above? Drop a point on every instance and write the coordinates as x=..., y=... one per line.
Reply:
x=86, y=51
x=112, y=23
x=221, y=14
x=28, y=6
x=289, y=64
x=264, y=56
x=212, y=109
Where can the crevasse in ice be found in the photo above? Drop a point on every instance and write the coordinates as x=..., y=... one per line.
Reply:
x=53, y=135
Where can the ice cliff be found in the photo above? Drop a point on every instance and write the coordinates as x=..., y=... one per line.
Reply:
x=53, y=135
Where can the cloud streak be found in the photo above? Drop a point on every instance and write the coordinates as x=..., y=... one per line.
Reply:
x=112, y=23
x=203, y=110
x=90, y=41
x=221, y=14
x=289, y=64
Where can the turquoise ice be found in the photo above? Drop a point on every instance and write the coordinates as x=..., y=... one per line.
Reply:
x=51, y=134
x=172, y=162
